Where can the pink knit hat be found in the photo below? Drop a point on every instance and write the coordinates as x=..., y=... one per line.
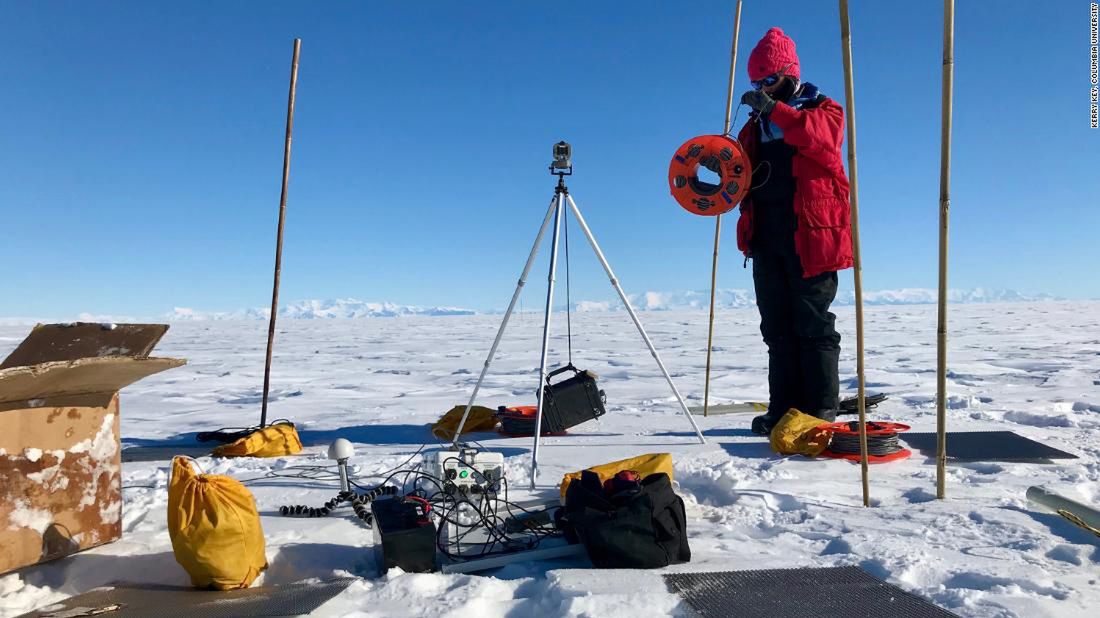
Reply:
x=771, y=54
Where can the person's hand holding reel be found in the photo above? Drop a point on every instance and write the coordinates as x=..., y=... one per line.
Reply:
x=759, y=101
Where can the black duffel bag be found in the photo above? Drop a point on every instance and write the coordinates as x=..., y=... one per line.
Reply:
x=641, y=529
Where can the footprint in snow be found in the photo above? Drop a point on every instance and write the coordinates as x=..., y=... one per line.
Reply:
x=1066, y=553
x=980, y=581
x=253, y=397
x=918, y=495
x=1039, y=420
x=983, y=468
x=837, y=547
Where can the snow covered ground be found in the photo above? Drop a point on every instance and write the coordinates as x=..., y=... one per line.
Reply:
x=1033, y=368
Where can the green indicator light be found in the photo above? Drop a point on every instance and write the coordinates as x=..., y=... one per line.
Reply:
x=463, y=474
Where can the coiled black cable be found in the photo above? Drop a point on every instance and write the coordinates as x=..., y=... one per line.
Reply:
x=360, y=504
x=301, y=510
x=878, y=445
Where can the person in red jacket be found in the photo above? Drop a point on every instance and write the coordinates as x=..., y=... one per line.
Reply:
x=795, y=225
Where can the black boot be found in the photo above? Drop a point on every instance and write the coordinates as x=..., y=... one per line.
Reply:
x=763, y=424
x=828, y=415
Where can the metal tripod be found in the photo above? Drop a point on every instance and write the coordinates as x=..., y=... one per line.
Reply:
x=557, y=211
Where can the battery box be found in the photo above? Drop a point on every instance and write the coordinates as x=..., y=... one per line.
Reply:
x=404, y=536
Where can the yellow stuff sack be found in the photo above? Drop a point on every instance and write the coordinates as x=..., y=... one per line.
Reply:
x=272, y=441
x=480, y=419
x=215, y=529
x=800, y=434
x=644, y=465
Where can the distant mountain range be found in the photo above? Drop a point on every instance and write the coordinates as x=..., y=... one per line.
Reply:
x=733, y=298
x=349, y=308
x=919, y=296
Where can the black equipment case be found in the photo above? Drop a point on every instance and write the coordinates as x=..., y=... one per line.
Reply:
x=567, y=403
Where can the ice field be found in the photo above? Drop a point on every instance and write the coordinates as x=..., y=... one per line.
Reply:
x=1033, y=368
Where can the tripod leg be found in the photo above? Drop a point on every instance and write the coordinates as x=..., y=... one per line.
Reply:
x=633, y=315
x=507, y=315
x=558, y=212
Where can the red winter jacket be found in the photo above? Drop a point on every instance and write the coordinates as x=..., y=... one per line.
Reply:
x=823, y=239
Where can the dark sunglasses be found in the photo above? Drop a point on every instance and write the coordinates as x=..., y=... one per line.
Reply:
x=772, y=79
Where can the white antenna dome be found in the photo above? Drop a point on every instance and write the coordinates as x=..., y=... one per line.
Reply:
x=340, y=449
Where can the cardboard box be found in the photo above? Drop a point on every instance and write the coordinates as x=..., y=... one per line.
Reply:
x=60, y=468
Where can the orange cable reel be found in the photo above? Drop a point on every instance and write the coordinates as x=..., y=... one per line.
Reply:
x=720, y=154
x=875, y=429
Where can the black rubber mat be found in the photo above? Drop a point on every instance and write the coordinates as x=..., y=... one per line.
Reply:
x=132, y=601
x=986, y=446
x=798, y=593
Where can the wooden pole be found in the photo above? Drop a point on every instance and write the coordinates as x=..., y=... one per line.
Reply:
x=718, y=219
x=945, y=208
x=733, y=65
x=279, y=233
x=849, y=94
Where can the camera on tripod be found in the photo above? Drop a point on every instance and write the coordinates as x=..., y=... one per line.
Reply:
x=562, y=165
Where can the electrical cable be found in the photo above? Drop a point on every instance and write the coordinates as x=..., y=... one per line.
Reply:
x=358, y=503
x=487, y=517
x=326, y=473
x=225, y=435
x=877, y=445
x=762, y=164
x=733, y=123
x=880, y=440
x=467, y=514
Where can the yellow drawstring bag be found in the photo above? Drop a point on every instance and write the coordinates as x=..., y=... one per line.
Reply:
x=215, y=529
x=274, y=440
x=480, y=419
x=800, y=434
x=644, y=465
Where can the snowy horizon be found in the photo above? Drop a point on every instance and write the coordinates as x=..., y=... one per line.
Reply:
x=984, y=552
x=733, y=298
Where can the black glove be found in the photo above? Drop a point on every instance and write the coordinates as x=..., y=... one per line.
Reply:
x=758, y=100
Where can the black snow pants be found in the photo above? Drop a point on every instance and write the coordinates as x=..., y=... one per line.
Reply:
x=799, y=330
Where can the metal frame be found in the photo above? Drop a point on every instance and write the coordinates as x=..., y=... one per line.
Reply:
x=557, y=211
x=549, y=548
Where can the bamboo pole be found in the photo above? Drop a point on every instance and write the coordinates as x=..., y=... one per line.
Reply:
x=945, y=208
x=849, y=94
x=718, y=219
x=733, y=65
x=279, y=233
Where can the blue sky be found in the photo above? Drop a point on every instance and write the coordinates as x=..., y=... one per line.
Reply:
x=143, y=145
